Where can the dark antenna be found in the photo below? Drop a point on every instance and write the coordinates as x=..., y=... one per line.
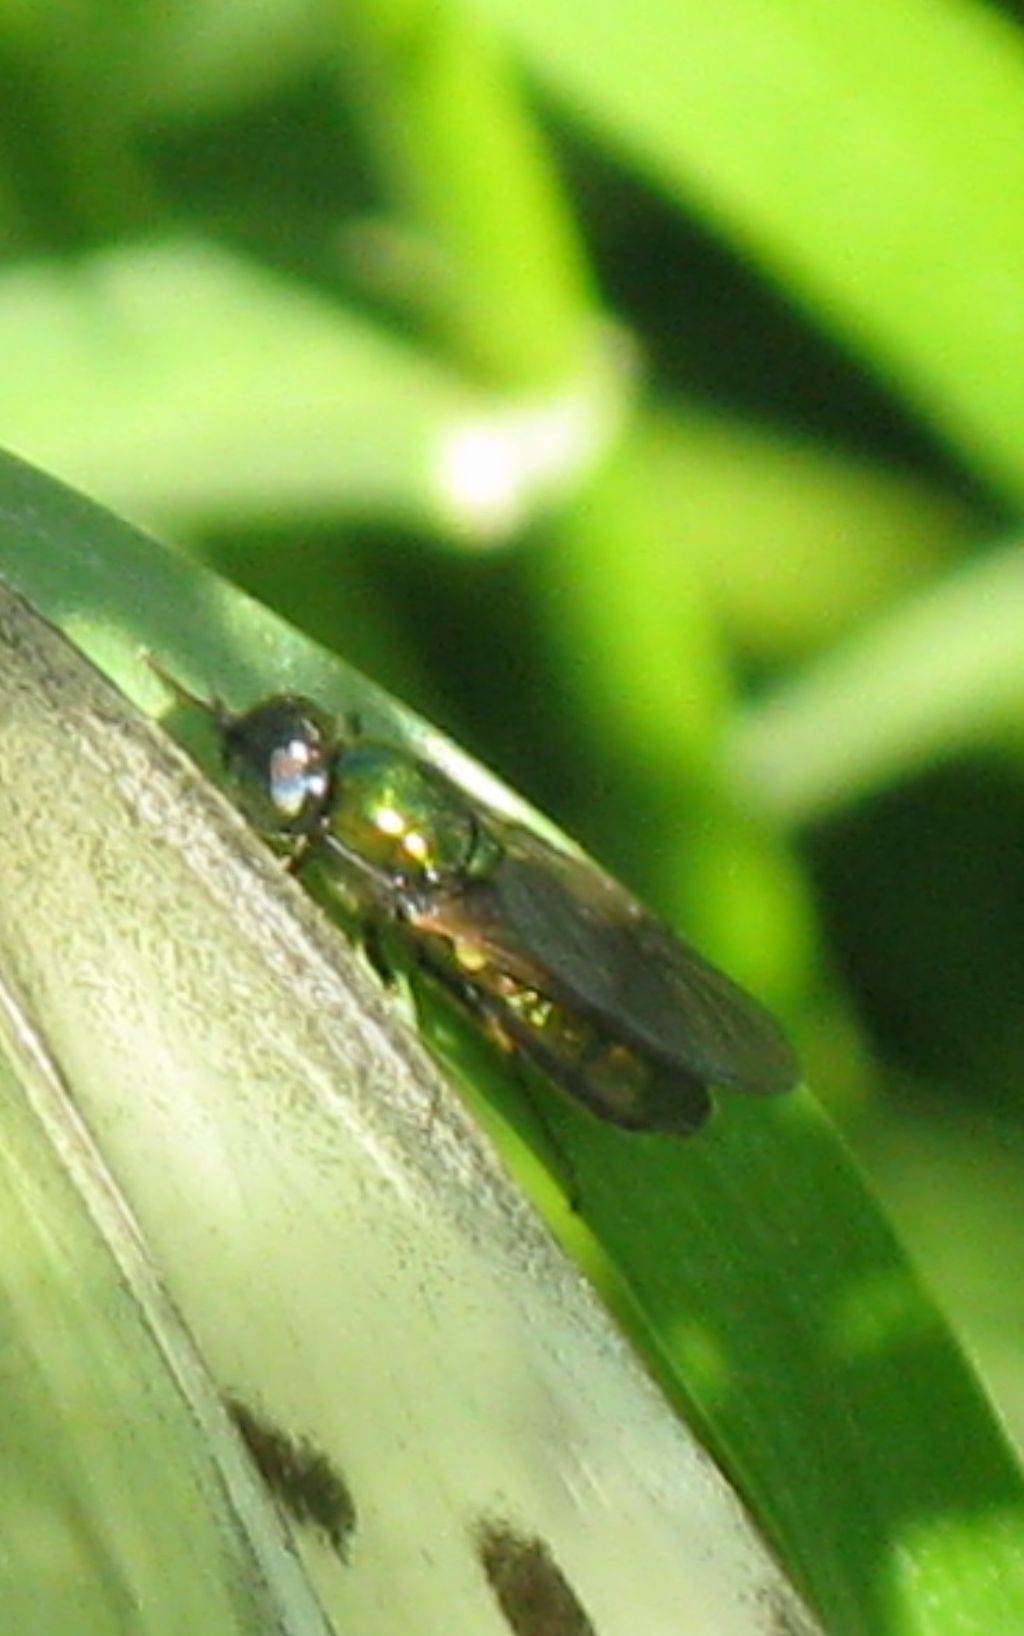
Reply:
x=213, y=706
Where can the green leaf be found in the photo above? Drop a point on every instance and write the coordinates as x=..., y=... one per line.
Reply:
x=182, y=382
x=180, y=61
x=869, y=153
x=941, y=674
x=922, y=1158
x=797, y=540
x=750, y=1265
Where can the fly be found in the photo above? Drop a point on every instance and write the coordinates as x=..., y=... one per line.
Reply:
x=549, y=955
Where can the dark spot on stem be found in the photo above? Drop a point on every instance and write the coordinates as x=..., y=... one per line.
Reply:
x=529, y=1587
x=301, y=1478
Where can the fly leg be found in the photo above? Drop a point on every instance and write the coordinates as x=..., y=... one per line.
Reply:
x=294, y=860
x=372, y=939
x=369, y=932
x=560, y=1160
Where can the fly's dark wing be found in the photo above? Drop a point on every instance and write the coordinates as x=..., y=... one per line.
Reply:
x=630, y=1089
x=560, y=923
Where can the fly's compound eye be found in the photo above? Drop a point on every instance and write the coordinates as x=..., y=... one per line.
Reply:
x=298, y=781
x=279, y=757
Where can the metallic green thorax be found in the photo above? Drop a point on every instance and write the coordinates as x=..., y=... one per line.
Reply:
x=393, y=814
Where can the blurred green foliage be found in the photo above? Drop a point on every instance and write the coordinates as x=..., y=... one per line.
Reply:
x=638, y=391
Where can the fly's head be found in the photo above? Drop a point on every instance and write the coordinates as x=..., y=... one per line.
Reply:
x=280, y=757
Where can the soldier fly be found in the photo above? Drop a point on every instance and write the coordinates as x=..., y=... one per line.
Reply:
x=548, y=954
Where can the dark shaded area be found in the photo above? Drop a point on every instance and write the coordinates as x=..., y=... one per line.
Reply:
x=274, y=177
x=528, y=1585
x=301, y=1478
x=923, y=889
x=717, y=328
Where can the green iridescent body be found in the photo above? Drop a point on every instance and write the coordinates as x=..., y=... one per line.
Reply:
x=549, y=954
